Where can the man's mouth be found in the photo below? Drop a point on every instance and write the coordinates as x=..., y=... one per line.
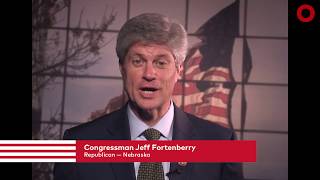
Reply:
x=148, y=90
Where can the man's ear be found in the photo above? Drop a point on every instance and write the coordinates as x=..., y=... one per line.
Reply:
x=122, y=70
x=180, y=70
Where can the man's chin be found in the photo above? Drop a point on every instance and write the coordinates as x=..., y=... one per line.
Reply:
x=148, y=104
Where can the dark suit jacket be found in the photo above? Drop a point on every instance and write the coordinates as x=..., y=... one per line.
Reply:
x=115, y=126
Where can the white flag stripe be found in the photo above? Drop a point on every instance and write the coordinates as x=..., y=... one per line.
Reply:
x=37, y=154
x=213, y=118
x=38, y=160
x=37, y=142
x=37, y=147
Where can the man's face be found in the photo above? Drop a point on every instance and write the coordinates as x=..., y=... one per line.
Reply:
x=149, y=72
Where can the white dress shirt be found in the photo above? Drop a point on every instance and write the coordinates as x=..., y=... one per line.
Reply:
x=137, y=127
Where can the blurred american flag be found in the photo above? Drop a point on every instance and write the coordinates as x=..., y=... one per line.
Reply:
x=208, y=84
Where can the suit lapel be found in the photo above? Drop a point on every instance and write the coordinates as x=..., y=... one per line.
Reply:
x=182, y=130
x=117, y=126
x=182, y=126
x=119, y=129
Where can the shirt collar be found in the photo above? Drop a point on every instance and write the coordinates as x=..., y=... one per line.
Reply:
x=164, y=125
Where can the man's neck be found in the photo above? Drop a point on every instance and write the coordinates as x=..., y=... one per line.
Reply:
x=149, y=117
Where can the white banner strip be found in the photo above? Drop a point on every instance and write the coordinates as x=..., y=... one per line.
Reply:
x=37, y=147
x=37, y=154
x=37, y=150
x=37, y=142
x=38, y=160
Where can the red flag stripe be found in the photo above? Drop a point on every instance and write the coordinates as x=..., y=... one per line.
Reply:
x=212, y=110
x=189, y=88
x=219, y=95
x=201, y=111
x=199, y=100
x=209, y=75
x=215, y=73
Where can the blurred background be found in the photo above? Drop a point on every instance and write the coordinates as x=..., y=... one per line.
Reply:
x=237, y=66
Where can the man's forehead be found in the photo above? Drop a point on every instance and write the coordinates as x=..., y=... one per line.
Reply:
x=150, y=49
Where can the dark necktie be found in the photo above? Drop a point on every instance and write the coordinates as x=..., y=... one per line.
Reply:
x=151, y=170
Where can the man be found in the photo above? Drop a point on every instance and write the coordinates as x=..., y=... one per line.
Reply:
x=151, y=49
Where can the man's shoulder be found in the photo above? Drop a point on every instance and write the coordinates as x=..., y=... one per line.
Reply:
x=94, y=128
x=206, y=129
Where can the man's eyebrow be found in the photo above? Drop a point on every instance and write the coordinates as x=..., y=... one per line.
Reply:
x=142, y=55
x=136, y=54
x=166, y=56
x=162, y=55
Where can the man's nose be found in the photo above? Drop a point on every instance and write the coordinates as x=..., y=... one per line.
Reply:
x=149, y=72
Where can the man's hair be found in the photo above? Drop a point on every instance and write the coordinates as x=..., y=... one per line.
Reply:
x=152, y=28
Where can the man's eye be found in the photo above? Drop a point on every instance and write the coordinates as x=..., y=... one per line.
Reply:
x=161, y=63
x=137, y=62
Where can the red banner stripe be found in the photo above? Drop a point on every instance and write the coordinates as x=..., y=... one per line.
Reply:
x=179, y=151
x=37, y=157
x=27, y=150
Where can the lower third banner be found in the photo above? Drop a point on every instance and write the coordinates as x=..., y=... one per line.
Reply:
x=127, y=151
